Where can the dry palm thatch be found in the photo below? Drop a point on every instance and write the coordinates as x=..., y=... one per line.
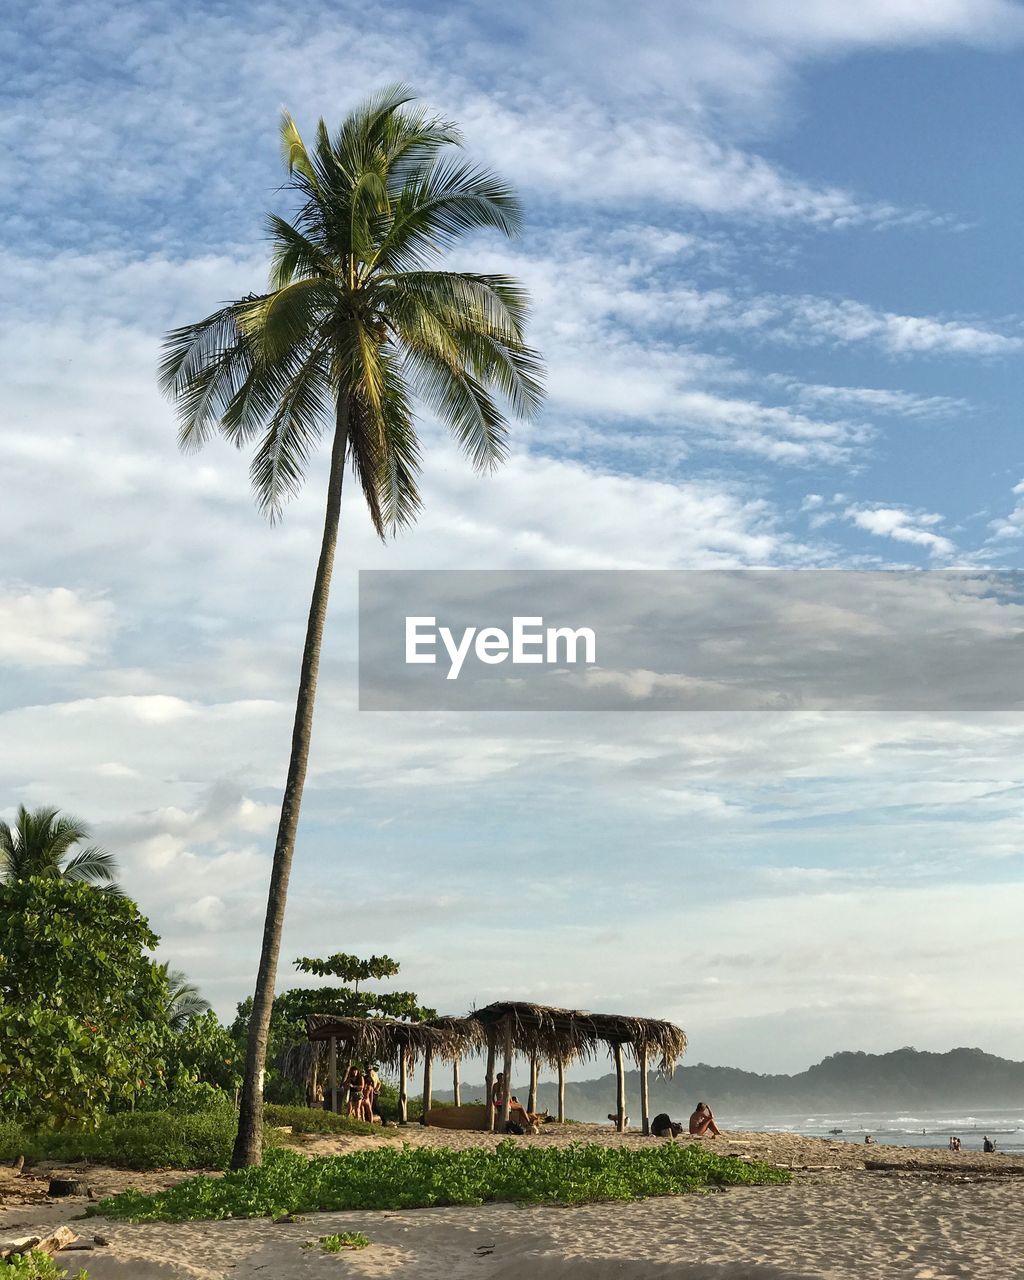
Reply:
x=380, y=1040
x=552, y=1035
x=463, y=1037
x=660, y=1044
x=303, y=1062
x=567, y=1035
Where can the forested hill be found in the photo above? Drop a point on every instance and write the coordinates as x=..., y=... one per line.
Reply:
x=906, y=1078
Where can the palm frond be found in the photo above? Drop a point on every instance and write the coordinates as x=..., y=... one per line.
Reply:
x=294, y=429
x=92, y=865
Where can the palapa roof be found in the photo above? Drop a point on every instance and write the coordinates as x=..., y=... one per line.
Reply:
x=379, y=1039
x=463, y=1036
x=568, y=1035
x=554, y=1035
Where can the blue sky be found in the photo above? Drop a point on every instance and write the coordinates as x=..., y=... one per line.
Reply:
x=775, y=255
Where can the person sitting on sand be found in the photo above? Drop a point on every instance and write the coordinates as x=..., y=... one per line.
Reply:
x=663, y=1126
x=988, y=1145
x=703, y=1121
x=868, y=1140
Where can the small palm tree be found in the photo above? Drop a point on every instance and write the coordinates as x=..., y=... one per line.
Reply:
x=356, y=325
x=40, y=842
x=183, y=1003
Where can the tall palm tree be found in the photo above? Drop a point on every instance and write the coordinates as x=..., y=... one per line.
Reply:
x=183, y=1001
x=356, y=324
x=41, y=843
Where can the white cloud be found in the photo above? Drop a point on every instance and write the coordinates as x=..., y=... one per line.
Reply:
x=884, y=401
x=1012, y=525
x=53, y=627
x=903, y=526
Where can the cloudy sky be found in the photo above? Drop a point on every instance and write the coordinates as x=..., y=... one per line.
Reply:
x=774, y=251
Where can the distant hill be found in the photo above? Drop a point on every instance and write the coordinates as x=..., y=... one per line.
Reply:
x=901, y=1080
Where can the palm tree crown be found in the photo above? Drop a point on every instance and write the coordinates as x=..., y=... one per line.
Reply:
x=40, y=842
x=183, y=1002
x=356, y=323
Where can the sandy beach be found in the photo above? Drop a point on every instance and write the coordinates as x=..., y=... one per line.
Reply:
x=924, y=1214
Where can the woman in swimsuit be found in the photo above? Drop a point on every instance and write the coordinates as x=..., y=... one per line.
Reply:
x=703, y=1121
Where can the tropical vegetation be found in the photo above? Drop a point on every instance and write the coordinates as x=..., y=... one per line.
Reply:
x=357, y=326
x=416, y=1177
x=81, y=1003
x=44, y=842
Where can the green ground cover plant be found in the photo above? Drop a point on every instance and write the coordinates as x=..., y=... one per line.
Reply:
x=340, y=1240
x=418, y=1177
x=35, y=1266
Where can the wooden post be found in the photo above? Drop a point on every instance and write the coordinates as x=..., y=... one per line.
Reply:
x=531, y=1103
x=620, y=1091
x=561, y=1091
x=332, y=1073
x=645, y=1109
x=489, y=1081
x=403, y=1085
x=507, y=1100
x=428, y=1078
x=456, y=1083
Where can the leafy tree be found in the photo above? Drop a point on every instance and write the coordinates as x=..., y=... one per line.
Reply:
x=40, y=842
x=203, y=1065
x=184, y=1003
x=355, y=326
x=350, y=969
x=81, y=1003
x=292, y=1007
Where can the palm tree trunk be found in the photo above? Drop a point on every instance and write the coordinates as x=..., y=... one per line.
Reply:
x=248, y=1148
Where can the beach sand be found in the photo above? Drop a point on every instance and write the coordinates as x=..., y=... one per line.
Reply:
x=913, y=1218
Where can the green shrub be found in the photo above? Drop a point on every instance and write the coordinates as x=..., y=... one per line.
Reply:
x=82, y=1017
x=416, y=1177
x=140, y=1140
x=315, y=1120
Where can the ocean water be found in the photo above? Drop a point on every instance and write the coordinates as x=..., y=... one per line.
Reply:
x=1005, y=1126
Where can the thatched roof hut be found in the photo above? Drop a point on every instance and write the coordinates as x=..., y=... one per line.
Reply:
x=398, y=1045
x=541, y=1033
x=560, y=1036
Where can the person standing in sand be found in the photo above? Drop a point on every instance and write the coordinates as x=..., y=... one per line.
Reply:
x=354, y=1092
x=703, y=1121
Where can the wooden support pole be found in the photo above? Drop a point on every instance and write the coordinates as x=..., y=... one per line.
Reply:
x=456, y=1083
x=561, y=1091
x=403, y=1086
x=645, y=1109
x=428, y=1078
x=332, y=1073
x=506, y=1101
x=620, y=1091
x=531, y=1103
x=489, y=1081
